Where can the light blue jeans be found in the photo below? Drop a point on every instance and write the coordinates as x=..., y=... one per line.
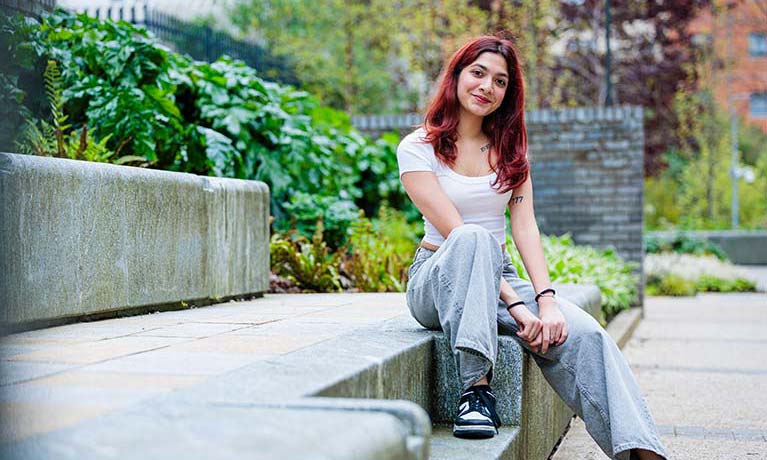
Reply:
x=456, y=289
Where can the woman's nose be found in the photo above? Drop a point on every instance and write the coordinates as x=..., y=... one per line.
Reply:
x=486, y=85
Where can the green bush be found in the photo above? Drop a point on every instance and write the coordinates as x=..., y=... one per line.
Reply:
x=307, y=263
x=683, y=243
x=671, y=273
x=379, y=252
x=569, y=263
x=711, y=283
x=671, y=285
x=374, y=258
x=305, y=210
x=178, y=114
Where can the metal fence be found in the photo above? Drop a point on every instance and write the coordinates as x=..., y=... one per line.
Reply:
x=200, y=41
x=27, y=7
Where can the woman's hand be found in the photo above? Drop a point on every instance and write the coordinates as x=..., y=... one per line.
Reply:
x=554, y=327
x=529, y=325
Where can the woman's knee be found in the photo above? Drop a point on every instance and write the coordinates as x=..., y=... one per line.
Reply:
x=475, y=238
x=469, y=231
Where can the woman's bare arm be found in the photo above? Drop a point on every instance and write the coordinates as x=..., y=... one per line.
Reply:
x=527, y=239
x=423, y=188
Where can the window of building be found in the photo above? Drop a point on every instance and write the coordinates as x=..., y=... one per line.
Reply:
x=758, y=104
x=757, y=44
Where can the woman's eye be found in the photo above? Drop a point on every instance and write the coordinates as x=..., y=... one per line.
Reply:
x=477, y=73
x=501, y=83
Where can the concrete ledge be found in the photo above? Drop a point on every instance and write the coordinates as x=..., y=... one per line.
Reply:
x=299, y=406
x=206, y=431
x=81, y=238
x=622, y=327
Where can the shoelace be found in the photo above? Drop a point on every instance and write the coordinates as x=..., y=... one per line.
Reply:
x=476, y=403
x=479, y=399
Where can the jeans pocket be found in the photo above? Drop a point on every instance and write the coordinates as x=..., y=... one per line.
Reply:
x=421, y=256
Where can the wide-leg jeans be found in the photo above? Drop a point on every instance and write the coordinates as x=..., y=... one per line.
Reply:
x=456, y=290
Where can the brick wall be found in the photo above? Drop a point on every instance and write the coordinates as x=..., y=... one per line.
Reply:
x=587, y=172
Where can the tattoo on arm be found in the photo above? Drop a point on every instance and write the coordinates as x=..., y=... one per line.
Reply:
x=517, y=199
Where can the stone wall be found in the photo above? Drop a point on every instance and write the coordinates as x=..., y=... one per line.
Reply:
x=587, y=171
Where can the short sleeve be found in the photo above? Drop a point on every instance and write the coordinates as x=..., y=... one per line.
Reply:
x=414, y=156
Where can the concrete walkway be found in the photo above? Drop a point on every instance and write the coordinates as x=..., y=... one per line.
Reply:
x=702, y=364
x=58, y=377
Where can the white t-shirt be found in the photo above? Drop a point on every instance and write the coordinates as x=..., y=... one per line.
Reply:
x=474, y=198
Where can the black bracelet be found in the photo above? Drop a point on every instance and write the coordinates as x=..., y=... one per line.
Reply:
x=538, y=296
x=515, y=304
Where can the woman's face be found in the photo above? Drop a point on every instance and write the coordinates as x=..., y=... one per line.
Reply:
x=482, y=84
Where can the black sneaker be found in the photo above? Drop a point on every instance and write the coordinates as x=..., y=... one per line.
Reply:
x=476, y=414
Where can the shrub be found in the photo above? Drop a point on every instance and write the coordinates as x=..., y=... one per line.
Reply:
x=670, y=284
x=305, y=210
x=568, y=263
x=713, y=284
x=306, y=263
x=700, y=273
x=683, y=243
x=143, y=100
x=378, y=253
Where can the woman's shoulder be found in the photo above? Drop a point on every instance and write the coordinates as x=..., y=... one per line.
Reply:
x=416, y=140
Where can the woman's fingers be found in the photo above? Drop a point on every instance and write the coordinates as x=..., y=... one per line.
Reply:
x=546, y=337
x=556, y=334
x=535, y=343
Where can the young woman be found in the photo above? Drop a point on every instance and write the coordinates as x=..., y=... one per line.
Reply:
x=462, y=168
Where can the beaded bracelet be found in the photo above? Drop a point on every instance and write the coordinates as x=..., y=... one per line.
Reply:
x=540, y=294
x=515, y=304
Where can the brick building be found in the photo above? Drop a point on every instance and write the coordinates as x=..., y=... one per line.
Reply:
x=737, y=32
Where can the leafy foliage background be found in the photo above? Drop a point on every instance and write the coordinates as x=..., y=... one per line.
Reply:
x=175, y=113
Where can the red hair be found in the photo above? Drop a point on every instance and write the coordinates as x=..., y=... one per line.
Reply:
x=505, y=126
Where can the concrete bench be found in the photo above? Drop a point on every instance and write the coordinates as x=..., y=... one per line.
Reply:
x=383, y=392
x=81, y=239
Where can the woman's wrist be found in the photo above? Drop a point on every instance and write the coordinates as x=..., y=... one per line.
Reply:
x=548, y=292
x=547, y=302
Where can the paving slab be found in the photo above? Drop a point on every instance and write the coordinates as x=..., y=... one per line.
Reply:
x=702, y=365
x=101, y=350
x=699, y=399
x=18, y=371
x=702, y=356
x=86, y=377
x=30, y=419
x=694, y=332
x=193, y=330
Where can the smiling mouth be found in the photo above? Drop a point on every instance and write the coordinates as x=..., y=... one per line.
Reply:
x=481, y=99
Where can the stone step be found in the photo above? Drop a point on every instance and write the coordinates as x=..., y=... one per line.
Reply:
x=353, y=377
x=445, y=446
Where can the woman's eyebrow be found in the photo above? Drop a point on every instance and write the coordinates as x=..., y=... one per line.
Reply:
x=500, y=74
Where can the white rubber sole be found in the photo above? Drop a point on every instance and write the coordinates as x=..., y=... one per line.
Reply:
x=474, y=431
